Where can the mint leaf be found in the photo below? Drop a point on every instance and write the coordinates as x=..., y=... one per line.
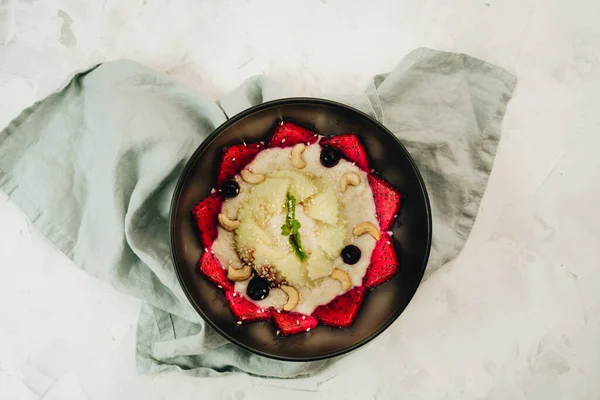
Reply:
x=296, y=226
x=292, y=226
x=297, y=246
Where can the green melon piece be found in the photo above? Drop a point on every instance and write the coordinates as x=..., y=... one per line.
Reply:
x=265, y=199
x=301, y=186
x=331, y=238
x=319, y=265
x=267, y=255
x=324, y=207
x=292, y=269
x=249, y=234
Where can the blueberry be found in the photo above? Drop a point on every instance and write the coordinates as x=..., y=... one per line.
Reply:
x=230, y=188
x=351, y=254
x=258, y=288
x=330, y=156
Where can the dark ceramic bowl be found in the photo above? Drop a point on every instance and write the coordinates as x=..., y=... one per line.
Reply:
x=411, y=233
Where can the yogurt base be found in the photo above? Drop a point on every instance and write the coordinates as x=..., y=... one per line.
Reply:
x=356, y=206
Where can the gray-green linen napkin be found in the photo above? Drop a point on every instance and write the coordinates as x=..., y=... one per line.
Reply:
x=94, y=165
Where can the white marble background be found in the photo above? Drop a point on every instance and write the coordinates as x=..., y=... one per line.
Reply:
x=516, y=316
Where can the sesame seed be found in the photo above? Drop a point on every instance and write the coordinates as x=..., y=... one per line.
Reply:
x=234, y=294
x=278, y=311
x=297, y=322
x=282, y=140
x=220, y=287
x=307, y=329
x=303, y=317
x=245, y=145
x=239, y=322
x=277, y=333
x=233, y=159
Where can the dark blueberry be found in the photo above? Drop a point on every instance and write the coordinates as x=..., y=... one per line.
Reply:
x=258, y=288
x=330, y=156
x=230, y=188
x=351, y=254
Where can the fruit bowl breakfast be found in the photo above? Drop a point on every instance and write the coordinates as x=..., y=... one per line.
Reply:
x=300, y=229
x=296, y=230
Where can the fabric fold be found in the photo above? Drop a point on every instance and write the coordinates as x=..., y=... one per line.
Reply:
x=94, y=167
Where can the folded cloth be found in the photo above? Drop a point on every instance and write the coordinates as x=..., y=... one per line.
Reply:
x=94, y=166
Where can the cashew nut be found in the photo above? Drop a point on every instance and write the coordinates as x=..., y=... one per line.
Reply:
x=227, y=224
x=292, y=297
x=366, y=227
x=342, y=277
x=296, y=156
x=251, y=177
x=349, y=178
x=240, y=274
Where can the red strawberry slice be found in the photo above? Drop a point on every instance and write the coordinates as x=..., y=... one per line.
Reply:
x=384, y=263
x=211, y=267
x=351, y=148
x=205, y=214
x=291, y=323
x=235, y=158
x=289, y=134
x=387, y=201
x=245, y=310
x=341, y=311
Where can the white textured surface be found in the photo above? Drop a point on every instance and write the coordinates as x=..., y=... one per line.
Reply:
x=516, y=316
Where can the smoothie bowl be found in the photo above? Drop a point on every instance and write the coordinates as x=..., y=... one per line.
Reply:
x=300, y=229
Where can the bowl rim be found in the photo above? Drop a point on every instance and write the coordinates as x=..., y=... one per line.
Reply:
x=192, y=161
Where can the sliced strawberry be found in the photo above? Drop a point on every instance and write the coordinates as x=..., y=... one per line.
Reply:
x=205, y=214
x=341, y=311
x=211, y=267
x=235, y=158
x=387, y=201
x=245, y=310
x=289, y=134
x=351, y=148
x=384, y=263
x=291, y=323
